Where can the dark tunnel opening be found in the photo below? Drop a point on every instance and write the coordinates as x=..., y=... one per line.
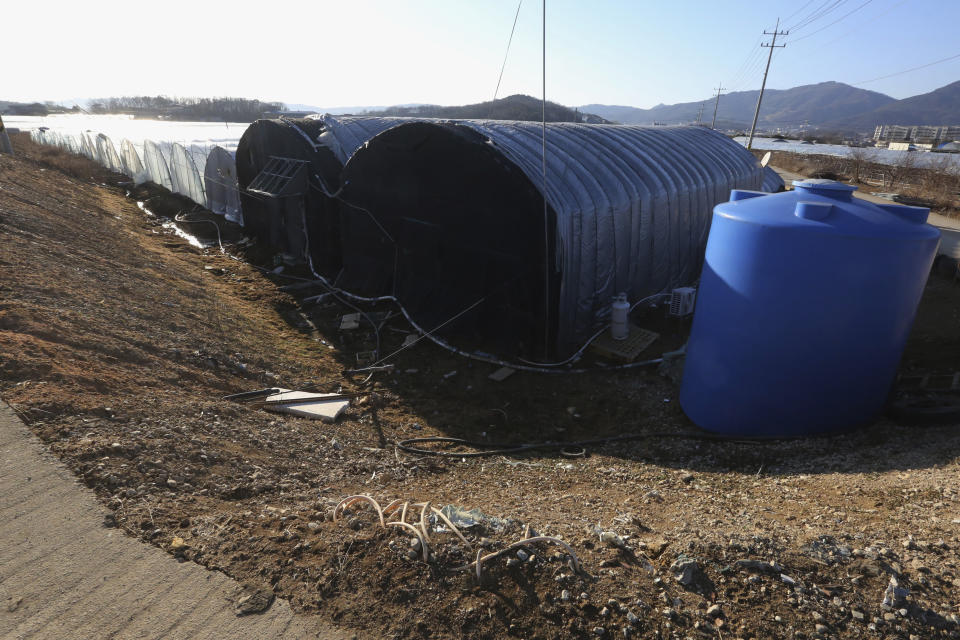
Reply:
x=307, y=221
x=439, y=218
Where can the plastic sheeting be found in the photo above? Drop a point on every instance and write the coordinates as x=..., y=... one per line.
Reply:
x=156, y=165
x=184, y=177
x=132, y=166
x=324, y=142
x=220, y=180
x=629, y=207
x=107, y=154
x=343, y=135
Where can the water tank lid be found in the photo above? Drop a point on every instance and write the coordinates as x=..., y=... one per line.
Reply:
x=829, y=188
x=827, y=206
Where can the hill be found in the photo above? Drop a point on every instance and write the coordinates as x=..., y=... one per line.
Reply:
x=816, y=103
x=516, y=107
x=941, y=106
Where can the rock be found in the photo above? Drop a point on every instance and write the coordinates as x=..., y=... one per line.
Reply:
x=669, y=613
x=611, y=539
x=565, y=595
x=412, y=554
x=858, y=615
x=632, y=618
x=513, y=562
x=415, y=544
x=715, y=611
x=178, y=544
x=759, y=565
x=895, y=596
x=313, y=526
x=599, y=631
x=256, y=602
x=822, y=628
x=605, y=612
x=889, y=617
x=522, y=555
x=685, y=570
x=110, y=520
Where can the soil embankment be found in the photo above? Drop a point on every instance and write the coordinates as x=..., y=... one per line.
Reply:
x=118, y=340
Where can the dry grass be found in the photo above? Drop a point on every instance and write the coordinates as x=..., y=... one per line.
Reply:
x=937, y=184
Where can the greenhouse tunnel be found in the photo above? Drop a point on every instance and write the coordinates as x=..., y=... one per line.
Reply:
x=277, y=220
x=305, y=226
x=445, y=215
x=451, y=222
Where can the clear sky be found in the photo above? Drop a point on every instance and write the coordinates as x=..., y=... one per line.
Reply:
x=377, y=52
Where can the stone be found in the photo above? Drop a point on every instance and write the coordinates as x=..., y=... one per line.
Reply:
x=256, y=602
x=858, y=615
x=632, y=618
x=895, y=596
x=715, y=611
x=178, y=544
x=565, y=595
x=686, y=571
x=822, y=628
x=522, y=555
x=599, y=631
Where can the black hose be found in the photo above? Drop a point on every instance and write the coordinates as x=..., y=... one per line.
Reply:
x=574, y=449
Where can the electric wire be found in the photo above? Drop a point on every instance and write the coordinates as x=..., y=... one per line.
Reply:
x=507, y=53
x=898, y=73
x=813, y=33
x=866, y=22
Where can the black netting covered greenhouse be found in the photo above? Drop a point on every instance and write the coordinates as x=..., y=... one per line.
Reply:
x=449, y=217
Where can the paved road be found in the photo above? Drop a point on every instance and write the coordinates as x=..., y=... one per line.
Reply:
x=64, y=575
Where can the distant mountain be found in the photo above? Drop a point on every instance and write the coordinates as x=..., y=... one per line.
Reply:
x=938, y=107
x=516, y=107
x=789, y=108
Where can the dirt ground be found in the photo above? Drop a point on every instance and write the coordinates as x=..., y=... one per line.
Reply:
x=118, y=340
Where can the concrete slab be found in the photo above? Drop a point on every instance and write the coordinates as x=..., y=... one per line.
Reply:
x=63, y=575
x=323, y=406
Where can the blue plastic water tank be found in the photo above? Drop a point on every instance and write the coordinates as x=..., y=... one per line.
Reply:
x=804, y=307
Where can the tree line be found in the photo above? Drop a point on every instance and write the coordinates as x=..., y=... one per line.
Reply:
x=209, y=109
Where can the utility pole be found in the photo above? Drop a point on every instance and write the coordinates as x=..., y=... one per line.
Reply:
x=773, y=45
x=716, y=105
x=700, y=114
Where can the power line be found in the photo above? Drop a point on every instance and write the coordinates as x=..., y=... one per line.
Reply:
x=773, y=45
x=866, y=22
x=504, y=65
x=832, y=23
x=802, y=7
x=923, y=66
x=821, y=12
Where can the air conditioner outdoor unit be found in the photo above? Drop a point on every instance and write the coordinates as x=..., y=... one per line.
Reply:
x=682, y=301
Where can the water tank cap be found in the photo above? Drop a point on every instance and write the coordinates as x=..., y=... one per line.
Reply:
x=812, y=210
x=828, y=188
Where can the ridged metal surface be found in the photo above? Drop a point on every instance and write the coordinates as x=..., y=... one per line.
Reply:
x=633, y=205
